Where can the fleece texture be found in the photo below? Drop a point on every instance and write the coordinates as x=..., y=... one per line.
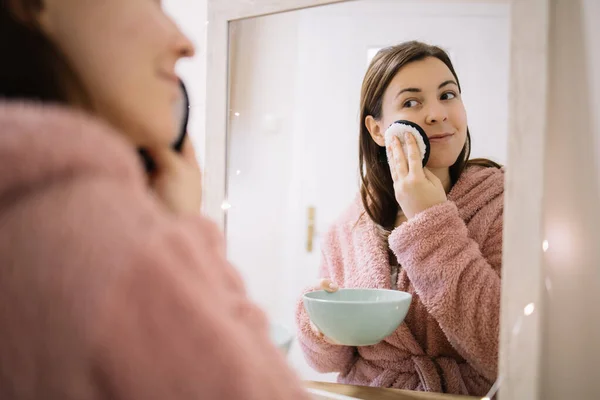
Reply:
x=398, y=130
x=104, y=294
x=450, y=257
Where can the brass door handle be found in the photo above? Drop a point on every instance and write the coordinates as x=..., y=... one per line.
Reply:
x=310, y=229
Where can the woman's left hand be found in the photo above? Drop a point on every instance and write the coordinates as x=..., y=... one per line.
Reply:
x=177, y=181
x=416, y=188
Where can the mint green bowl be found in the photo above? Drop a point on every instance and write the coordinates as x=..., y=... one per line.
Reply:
x=357, y=317
x=281, y=337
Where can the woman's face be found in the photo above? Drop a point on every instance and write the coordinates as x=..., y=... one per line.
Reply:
x=124, y=52
x=426, y=92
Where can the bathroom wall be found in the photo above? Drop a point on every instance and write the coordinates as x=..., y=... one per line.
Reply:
x=264, y=144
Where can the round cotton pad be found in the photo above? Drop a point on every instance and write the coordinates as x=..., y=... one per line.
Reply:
x=399, y=127
x=182, y=112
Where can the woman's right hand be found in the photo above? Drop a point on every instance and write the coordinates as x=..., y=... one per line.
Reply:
x=331, y=287
x=177, y=181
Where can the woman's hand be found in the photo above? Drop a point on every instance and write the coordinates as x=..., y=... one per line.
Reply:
x=177, y=181
x=331, y=287
x=416, y=188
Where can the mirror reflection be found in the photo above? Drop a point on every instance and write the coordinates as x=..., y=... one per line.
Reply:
x=367, y=141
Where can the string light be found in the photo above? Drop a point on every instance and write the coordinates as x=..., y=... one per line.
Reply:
x=545, y=246
x=225, y=206
x=237, y=114
x=548, y=285
x=517, y=326
x=529, y=309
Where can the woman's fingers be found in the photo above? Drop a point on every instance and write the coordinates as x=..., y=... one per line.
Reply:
x=166, y=159
x=398, y=164
x=315, y=330
x=401, y=163
x=188, y=153
x=327, y=285
x=177, y=182
x=415, y=162
x=320, y=334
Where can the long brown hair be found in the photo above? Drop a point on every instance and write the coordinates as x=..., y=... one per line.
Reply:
x=377, y=186
x=32, y=67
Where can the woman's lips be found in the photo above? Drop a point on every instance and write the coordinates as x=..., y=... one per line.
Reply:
x=440, y=138
x=169, y=77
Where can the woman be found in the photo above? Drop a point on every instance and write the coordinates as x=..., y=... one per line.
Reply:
x=112, y=286
x=435, y=232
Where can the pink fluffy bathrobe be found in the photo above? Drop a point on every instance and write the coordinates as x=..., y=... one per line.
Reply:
x=104, y=294
x=450, y=257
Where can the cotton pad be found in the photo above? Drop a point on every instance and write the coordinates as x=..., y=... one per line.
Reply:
x=398, y=128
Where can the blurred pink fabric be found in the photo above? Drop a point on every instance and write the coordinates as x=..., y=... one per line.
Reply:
x=103, y=293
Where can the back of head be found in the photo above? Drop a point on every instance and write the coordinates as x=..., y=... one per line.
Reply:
x=114, y=59
x=30, y=62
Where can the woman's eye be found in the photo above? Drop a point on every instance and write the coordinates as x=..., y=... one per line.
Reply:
x=448, y=96
x=410, y=103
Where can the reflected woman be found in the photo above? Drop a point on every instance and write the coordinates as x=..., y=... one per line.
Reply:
x=434, y=231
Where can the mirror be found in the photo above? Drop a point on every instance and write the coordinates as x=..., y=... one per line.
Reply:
x=293, y=165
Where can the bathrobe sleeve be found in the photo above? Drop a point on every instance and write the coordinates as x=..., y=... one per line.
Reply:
x=457, y=280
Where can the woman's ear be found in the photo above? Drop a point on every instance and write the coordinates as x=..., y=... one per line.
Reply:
x=375, y=130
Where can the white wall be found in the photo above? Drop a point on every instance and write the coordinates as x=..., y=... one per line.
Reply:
x=261, y=151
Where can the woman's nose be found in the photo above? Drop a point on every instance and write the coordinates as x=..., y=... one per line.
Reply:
x=436, y=113
x=184, y=46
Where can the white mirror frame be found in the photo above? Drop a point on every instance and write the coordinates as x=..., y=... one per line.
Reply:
x=522, y=277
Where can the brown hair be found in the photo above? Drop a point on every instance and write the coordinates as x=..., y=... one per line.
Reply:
x=377, y=187
x=32, y=66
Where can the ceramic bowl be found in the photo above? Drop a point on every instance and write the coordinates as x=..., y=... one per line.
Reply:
x=357, y=317
x=281, y=337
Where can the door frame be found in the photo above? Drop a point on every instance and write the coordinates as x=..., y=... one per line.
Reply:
x=519, y=368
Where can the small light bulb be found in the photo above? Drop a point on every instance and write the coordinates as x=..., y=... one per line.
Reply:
x=225, y=206
x=545, y=245
x=237, y=114
x=529, y=309
x=238, y=172
x=548, y=284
